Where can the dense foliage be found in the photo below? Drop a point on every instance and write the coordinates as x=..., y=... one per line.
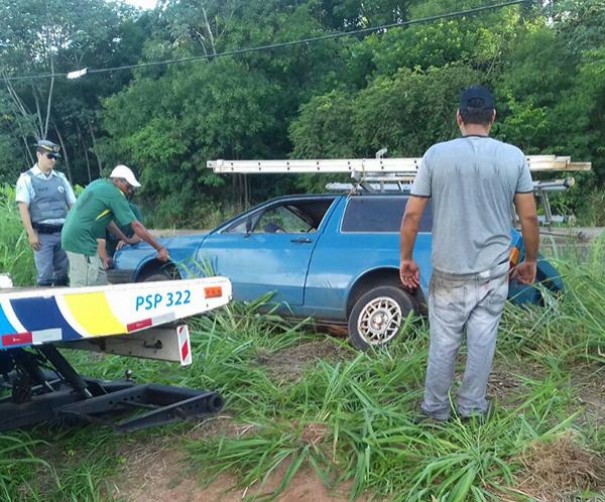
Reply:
x=344, y=96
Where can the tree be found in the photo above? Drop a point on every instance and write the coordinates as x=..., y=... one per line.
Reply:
x=581, y=23
x=410, y=111
x=478, y=40
x=538, y=72
x=355, y=14
x=169, y=127
x=43, y=39
x=324, y=128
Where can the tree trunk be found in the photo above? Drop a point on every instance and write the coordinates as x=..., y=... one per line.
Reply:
x=64, y=152
x=94, y=148
x=20, y=109
x=41, y=134
x=28, y=157
x=209, y=30
x=50, y=96
x=85, y=148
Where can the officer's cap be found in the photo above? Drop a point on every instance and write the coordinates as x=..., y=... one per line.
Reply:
x=48, y=147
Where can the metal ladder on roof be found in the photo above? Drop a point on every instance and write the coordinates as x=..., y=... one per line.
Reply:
x=395, y=174
x=402, y=166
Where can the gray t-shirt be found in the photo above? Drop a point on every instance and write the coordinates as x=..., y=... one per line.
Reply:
x=472, y=182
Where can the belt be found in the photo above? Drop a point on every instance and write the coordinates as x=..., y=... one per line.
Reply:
x=43, y=228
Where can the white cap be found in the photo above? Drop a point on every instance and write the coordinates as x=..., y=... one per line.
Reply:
x=125, y=173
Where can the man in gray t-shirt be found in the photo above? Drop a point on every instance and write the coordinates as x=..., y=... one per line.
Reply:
x=473, y=182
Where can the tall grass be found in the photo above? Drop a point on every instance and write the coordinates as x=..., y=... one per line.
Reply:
x=16, y=256
x=347, y=416
x=354, y=419
x=590, y=208
x=19, y=467
x=571, y=327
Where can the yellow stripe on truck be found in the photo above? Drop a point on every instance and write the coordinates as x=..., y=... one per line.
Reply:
x=92, y=312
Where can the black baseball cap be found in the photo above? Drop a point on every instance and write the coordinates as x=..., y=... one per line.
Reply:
x=476, y=97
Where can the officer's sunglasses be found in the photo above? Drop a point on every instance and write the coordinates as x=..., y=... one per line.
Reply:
x=52, y=156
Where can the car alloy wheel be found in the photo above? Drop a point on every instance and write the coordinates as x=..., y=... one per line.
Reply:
x=377, y=316
x=380, y=320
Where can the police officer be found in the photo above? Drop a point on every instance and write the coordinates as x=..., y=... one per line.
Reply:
x=44, y=196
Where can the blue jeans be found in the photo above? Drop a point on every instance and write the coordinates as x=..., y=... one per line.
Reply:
x=51, y=261
x=457, y=304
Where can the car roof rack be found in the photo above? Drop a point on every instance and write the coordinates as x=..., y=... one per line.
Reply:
x=394, y=175
x=393, y=185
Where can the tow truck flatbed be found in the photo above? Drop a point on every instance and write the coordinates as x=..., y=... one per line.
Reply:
x=139, y=320
x=41, y=315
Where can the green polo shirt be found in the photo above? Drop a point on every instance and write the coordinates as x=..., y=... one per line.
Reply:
x=112, y=240
x=99, y=203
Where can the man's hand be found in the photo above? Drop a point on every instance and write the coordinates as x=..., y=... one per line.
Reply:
x=525, y=272
x=163, y=255
x=410, y=223
x=32, y=235
x=409, y=274
x=128, y=242
x=34, y=242
x=105, y=259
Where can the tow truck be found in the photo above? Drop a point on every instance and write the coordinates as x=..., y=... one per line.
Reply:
x=38, y=383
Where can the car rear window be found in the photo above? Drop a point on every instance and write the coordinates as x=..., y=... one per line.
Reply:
x=380, y=214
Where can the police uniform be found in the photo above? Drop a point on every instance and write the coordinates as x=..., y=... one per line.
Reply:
x=48, y=197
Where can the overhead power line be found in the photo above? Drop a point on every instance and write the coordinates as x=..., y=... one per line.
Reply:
x=247, y=50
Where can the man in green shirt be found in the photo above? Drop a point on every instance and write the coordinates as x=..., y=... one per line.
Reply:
x=101, y=202
x=115, y=241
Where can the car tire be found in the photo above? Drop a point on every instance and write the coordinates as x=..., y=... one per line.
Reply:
x=159, y=275
x=378, y=315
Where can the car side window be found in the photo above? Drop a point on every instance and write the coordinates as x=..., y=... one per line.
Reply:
x=239, y=227
x=380, y=214
x=289, y=216
x=281, y=219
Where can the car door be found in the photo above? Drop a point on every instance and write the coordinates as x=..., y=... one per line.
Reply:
x=265, y=251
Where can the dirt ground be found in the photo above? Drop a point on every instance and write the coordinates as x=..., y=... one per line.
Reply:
x=158, y=471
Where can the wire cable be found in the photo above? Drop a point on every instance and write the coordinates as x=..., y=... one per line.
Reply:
x=247, y=50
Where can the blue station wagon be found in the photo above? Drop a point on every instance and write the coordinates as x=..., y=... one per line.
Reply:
x=332, y=257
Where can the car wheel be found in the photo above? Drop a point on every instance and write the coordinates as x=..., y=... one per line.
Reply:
x=377, y=316
x=160, y=275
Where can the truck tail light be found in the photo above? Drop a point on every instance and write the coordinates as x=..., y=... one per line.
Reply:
x=213, y=292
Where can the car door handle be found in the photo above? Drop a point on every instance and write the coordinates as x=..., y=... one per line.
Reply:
x=302, y=240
